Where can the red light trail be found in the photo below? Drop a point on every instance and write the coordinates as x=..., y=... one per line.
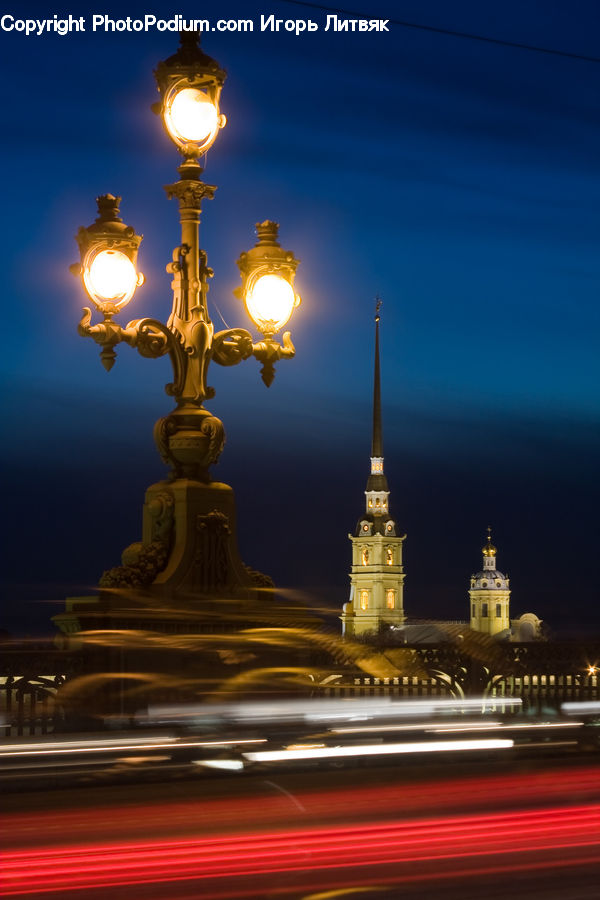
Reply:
x=506, y=840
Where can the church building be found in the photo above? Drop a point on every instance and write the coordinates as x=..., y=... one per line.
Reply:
x=377, y=576
x=489, y=598
x=376, y=601
x=489, y=595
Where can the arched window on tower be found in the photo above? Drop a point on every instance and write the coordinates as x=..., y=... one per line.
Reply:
x=484, y=610
x=389, y=556
x=390, y=597
x=364, y=599
x=498, y=610
x=365, y=556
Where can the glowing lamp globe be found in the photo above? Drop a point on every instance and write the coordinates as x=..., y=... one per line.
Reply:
x=270, y=302
x=108, y=252
x=192, y=118
x=190, y=83
x=111, y=277
x=268, y=272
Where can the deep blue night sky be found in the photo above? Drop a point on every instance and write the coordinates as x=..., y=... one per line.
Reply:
x=459, y=180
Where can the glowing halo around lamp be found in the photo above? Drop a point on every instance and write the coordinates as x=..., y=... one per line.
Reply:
x=270, y=301
x=110, y=277
x=191, y=117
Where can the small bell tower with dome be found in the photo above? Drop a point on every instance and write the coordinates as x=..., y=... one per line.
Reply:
x=490, y=595
x=377, y=576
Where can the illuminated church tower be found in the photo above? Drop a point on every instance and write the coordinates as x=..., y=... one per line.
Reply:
x=489, y=595
x=377, y=577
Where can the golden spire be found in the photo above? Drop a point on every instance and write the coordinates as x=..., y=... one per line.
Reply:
x=489, y=549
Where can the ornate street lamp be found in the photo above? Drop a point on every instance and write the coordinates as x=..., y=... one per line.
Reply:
x=108, y=251
x=190, y=85
x=267, y=290
x=189, y=521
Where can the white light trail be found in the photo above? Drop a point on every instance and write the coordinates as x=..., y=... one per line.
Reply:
x=171, y=744
x=580, y=708
x=379, y=750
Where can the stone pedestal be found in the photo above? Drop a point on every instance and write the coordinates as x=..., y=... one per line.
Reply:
x=185, y=565
x=198, y=522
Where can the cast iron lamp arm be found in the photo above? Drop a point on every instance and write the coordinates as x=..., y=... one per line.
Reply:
x=150, y=337
x=231, y=346
x=268, y=352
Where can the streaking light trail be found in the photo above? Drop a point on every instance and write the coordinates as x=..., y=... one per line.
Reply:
x=375, y=750
x=508, y=838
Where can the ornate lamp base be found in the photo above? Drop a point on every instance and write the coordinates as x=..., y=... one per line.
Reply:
x=198, y=523
x=187, y=557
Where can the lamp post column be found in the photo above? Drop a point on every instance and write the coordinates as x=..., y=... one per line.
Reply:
x=189, y=544
x=189, y=268
x=193, y=515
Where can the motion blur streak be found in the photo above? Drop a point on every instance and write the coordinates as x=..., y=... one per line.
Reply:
x=82, y=743
x=349, y=709
x=399, y=842
x=509, y=726
x=169, y=743
x=465, y=726
x=580, y=708
x=375, y=750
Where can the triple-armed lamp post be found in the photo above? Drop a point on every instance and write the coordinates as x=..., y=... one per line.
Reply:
x=188, y=538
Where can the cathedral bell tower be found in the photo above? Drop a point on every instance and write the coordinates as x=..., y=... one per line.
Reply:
x=489, y=595
x=377, y=576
